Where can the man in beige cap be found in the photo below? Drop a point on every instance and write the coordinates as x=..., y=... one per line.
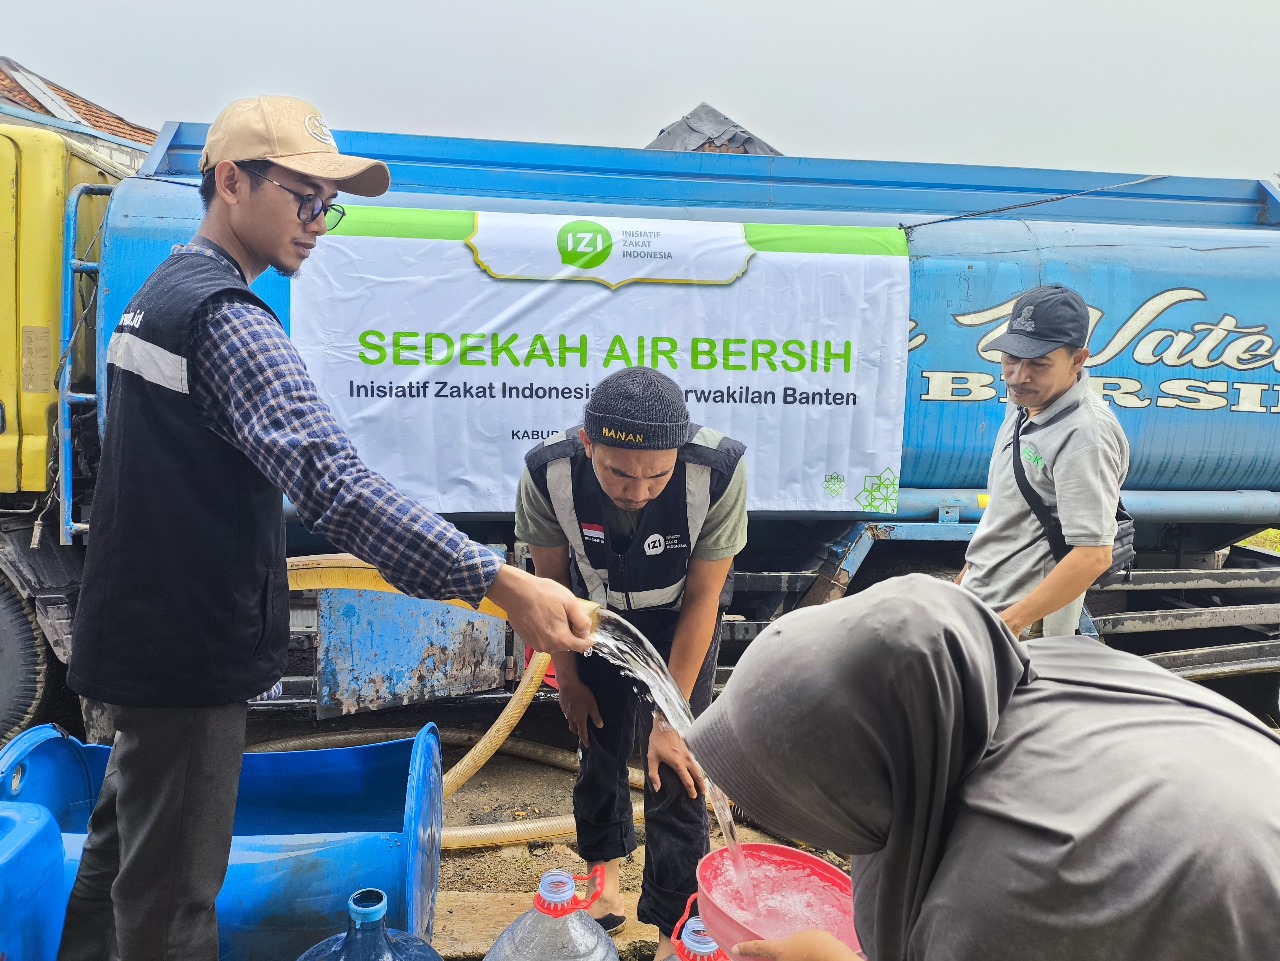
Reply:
x=184, y=612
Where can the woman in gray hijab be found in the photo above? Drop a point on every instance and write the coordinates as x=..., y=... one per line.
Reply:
x=1053, y=801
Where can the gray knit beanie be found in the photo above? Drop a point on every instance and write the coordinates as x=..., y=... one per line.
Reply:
x=639, y=409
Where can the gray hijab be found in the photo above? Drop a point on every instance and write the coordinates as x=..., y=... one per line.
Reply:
x=1086, y=804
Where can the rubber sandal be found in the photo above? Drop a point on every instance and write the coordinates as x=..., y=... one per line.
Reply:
x=611, y=923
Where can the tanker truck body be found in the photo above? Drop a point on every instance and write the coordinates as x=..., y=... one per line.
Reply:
x=832, y=314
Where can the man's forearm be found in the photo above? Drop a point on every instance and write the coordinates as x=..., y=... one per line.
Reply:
x=689, y=646
x=565, y=665
x=695, y=629
x=1068, y=580
x=252, y=389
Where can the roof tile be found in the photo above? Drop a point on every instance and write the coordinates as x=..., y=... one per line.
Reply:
x=92, y=115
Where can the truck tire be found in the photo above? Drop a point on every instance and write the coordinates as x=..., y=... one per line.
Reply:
x=25, y=682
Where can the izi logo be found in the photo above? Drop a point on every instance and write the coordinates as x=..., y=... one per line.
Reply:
x=654, y=544
x=584, y=244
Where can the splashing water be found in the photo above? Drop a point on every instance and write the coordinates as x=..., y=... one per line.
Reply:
x=618, y=642
x=730, y=831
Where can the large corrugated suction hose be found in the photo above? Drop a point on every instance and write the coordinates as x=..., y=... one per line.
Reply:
x=485, y=748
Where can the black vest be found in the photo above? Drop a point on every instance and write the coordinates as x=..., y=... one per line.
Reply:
x=185, y=597
x=649, y=574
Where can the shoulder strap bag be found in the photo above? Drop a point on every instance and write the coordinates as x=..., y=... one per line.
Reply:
x=1122, y=550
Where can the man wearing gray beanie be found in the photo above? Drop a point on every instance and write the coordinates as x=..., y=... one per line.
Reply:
x=643, y=512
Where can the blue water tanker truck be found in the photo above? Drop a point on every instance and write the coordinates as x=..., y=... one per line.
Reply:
x=834, y=315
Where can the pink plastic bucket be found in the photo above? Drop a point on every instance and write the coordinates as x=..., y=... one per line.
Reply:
x=794, y=892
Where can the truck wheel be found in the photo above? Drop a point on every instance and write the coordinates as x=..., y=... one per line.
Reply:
x=24, y=667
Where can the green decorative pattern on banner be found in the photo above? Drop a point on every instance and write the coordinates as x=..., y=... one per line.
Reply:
x=795, y=239
x=407, y=222
x=880, y=493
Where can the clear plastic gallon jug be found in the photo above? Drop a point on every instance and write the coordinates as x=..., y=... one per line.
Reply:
x=557, y=928
x=692, y=943
x=368, y=938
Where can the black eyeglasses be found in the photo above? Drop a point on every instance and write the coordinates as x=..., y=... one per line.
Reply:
x=309, y=205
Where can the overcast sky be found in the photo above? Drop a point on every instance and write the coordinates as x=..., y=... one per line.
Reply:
x=1173, y=87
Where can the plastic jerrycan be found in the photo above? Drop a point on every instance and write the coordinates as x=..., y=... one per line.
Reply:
x=368, y=938
x=557, y=928
x=692, y=942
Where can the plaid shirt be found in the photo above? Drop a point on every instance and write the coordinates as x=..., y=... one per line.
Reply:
x=252, y=389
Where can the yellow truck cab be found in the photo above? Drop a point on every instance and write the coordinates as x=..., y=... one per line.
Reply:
x=39, y=168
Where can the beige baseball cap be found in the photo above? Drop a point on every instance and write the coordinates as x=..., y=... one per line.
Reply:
x=291, y=134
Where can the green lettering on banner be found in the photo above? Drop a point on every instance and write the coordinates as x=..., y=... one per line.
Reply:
x=539, y=350
x=811, y=239
x=662, y=348
x=470, y=345
x=580, y=351
x=372, y=341
x=617, y=353
x=501, y=347
x=399, y=348
x=763, y=350
x=703, y=350
x=429, y=352
x=828, y=355
x=731, y=352
x=793, y=350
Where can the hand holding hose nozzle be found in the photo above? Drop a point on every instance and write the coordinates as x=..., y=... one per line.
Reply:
x=544, y=613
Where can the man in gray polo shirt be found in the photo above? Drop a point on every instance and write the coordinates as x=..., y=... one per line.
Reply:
x=1074, y=455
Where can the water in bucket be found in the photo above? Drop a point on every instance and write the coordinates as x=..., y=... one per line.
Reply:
x=793, y=891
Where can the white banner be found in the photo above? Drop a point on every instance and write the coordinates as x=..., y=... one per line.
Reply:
x=449, y=343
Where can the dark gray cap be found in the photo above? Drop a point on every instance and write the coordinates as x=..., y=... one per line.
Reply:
x=638, y=409
x=1044, y=319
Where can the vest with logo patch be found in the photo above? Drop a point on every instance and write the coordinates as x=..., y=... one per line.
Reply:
x=650, y=573
x=185, y=597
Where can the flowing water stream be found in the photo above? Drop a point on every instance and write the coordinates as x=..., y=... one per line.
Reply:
x=617, y=641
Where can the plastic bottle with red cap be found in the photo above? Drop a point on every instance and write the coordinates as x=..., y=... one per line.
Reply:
x=691, y=940
x=558, y=927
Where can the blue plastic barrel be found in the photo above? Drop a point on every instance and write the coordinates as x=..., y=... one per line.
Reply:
x=30, y=881
x=310, y=828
